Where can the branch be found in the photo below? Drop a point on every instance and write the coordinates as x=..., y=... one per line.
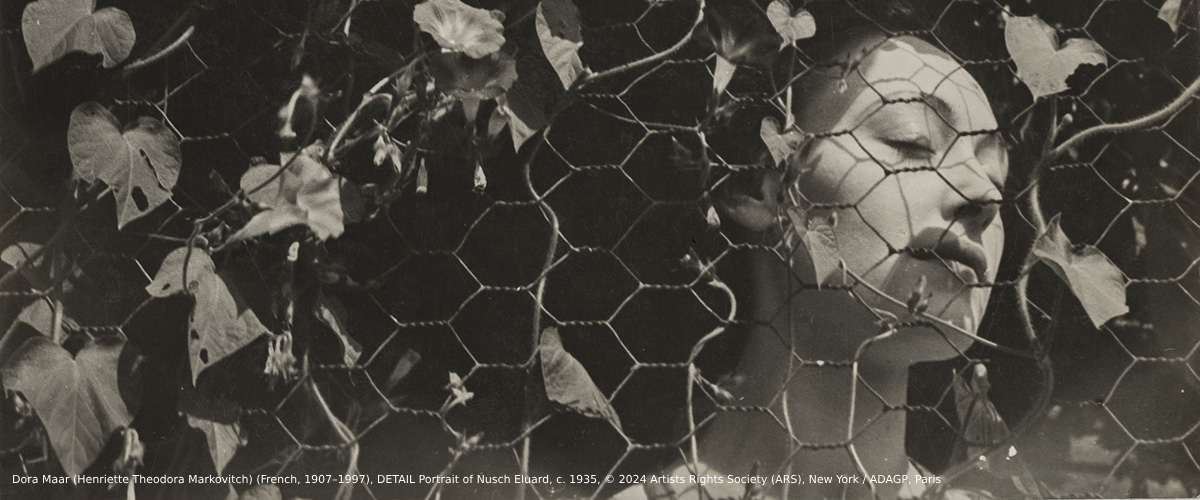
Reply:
x=1144, y=122
x=653, y=58
x=157, y=56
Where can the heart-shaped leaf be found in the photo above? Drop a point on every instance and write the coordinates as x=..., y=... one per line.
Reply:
x=140, y=163
x=781, y=146
x=1042, y=64
x=52, y=28
x=221, y=322
x=559, y=33
x=790, y=25
x=170, y=279
x=77, y=398
x=1094, y=279
x=568, y=383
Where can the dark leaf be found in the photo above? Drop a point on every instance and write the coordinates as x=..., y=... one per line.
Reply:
x=1093, y=278
x=52, y=28
x=217, y=418
x=462, y=76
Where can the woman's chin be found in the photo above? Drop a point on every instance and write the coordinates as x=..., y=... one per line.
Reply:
x=947, y=306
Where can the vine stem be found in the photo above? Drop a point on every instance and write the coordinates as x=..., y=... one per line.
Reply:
x=1144, y=122
x=656, y=57
x=346, y=490
x=157, y=56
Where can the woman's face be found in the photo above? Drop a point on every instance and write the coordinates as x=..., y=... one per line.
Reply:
x=914, y=169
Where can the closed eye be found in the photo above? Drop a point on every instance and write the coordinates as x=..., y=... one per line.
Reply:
x=916, y=147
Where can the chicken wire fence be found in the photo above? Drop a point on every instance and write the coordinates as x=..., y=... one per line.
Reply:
x=606, y=228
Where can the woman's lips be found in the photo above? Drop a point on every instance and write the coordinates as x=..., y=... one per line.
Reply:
x=964, y=257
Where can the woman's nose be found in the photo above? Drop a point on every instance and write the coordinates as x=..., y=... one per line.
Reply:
x=971, y=198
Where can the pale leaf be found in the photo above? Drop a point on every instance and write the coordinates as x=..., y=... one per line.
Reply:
x=781, y=146
x=559, y=33
x=790, y=25
x=140, y=164
x=78, y=399
x=819, y=239
x=1042, y=64
x=723, y=74
x=220, y=323
x=568, y=383
x=53, y=28
x=169, y=280
x=1169, y=13
x=1095, y=280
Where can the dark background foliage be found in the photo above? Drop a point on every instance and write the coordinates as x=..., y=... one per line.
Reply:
x=449, y=274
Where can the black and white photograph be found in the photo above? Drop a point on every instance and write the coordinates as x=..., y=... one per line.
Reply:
x=599, y=249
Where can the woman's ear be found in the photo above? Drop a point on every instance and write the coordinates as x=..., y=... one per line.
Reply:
x=751, y=199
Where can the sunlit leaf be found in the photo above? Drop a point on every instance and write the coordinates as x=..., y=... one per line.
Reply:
x=1169, y=13
x=220, y=322
x=820, y=243
x=781, y=146
x=306, y=193
x=1042, y=64
x=722, y=74
x=169, y=280
x=1094, y=279
x=15, y=256
x=790, y=25
x=568, y=383
x=52, y=28
x=140, y=163
x=78, y=398
x=458, y=27
x=39, y=314
x=558, y=31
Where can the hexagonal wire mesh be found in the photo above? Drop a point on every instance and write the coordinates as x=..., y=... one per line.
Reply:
x=619, y=232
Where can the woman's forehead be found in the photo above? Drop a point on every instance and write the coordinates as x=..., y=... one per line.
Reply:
x=910, y=66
